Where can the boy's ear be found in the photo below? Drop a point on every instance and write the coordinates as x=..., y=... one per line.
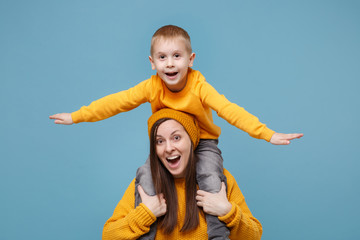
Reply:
x=152, y=63
x=192, y=58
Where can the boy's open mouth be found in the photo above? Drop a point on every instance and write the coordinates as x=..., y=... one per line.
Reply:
x=171, y=74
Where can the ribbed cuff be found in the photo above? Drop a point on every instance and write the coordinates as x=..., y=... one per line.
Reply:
x=76, y=117
x=144, y=215
x=267, y=134
x=230, y=216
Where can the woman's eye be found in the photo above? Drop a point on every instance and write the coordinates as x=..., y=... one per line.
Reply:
x=159, y=141
x=177, y=138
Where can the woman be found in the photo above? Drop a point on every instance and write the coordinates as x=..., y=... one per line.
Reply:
x=178, y=209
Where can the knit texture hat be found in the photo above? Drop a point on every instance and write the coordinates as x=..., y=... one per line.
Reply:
x=189, y=122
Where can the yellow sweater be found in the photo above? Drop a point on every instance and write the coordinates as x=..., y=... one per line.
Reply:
x=197, y=98
x=128, y=222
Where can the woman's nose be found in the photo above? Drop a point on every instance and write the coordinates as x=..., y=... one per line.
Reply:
x=169, y=147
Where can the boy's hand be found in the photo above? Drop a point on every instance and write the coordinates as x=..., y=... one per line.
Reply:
x=284, y=139
x=62, y=118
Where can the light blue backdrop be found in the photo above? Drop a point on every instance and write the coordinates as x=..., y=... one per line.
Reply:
x=294, y=64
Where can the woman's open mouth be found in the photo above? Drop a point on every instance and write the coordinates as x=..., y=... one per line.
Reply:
x=173, y=161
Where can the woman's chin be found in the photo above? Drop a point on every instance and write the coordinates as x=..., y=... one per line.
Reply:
x=176, y=171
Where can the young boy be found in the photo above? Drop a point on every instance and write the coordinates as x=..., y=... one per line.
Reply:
x=179, y=87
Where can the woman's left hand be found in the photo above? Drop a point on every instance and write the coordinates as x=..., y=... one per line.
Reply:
x=215, y=204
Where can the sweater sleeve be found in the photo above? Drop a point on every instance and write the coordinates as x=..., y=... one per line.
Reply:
x=128, y=222
x=113, y=104
x=234, y=114
x=242, y=224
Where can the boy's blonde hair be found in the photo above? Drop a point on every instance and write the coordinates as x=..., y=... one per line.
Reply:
x=169, y=32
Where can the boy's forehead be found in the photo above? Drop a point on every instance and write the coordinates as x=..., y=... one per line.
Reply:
x=178, y=42
x=159, y=41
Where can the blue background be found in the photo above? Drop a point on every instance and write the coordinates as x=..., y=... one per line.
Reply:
x=294, y=64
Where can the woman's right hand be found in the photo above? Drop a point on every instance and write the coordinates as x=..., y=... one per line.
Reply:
x=216, y=204
x=156, y=204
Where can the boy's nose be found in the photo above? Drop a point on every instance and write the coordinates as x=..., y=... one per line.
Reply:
x=169, y=63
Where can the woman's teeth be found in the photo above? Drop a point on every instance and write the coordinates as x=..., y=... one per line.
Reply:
x=173, y=158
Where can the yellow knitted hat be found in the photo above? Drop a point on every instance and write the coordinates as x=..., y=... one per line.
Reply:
x=187, y=121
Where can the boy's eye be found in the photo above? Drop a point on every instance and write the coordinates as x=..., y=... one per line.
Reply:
x=162, y=57
x=177, y=55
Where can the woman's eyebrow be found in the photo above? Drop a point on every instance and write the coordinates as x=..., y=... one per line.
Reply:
x=174, y=132
x=177, y=130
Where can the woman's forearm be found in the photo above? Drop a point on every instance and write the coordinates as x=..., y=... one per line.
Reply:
x=128, y=222
x=136, y=223
x=241, y=224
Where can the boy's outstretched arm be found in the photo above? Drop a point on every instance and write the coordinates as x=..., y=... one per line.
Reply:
x=62, y=118
x=284, y=139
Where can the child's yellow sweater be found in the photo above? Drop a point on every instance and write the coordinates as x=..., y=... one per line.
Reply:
x=197, y=98
x=128, y=222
